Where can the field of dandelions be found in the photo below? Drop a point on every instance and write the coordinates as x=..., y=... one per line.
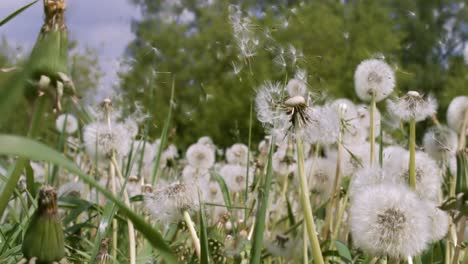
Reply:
x=329, y=183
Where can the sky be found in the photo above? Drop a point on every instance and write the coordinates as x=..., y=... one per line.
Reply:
x=103, y=25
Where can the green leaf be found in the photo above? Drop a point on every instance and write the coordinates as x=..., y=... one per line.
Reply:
x=17, y=12
x=15, y=145
x=263, y=195
x=343, y=251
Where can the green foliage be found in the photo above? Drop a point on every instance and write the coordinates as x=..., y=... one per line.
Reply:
x=334, y=37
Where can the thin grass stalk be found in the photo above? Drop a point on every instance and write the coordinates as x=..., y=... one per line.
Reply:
x=328, y=227
x=193, y=233
x=462, y=136
x=130, y=227
x=114, y=221
x=339, y=220
x=309, y=218
x=412, y=152
x=371, y=129
x=458, y=246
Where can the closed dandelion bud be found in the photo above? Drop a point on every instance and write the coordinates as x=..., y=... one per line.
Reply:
x=49, y=56
x=44, y=236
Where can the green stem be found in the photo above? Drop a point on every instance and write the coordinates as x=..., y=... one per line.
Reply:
x=371, y=129
x=462, y=136
x=412, y=150
x=309, y=218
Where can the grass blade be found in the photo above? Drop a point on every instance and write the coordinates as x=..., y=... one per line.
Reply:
x=263, y=195
x=17, y=12
x=204, y=257
x=21, y=146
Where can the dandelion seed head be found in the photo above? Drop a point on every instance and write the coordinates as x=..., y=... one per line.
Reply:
x=167, y=203
x=193, y=174
x=389, y=220
x=280, y=245
x=67, y=123
x=237, y=154
x=428, y=175
x=235, y=177
x=132, y=127
x=200, y=156
x=412, y=106
x=322, y=175
x=457, y=112
x=439, y=221
x=323, y=126
x=376, y=77
x=366, y=178
x=101, y=141
x=440, y=142
x=296, y=88
x=283, y=163
x=363, y=114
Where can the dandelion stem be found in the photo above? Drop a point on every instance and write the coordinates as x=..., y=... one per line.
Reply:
x=461, y=233
x=304, y=245
x=309, y=218
x=193, y=232
x=114, y=221
x=371, y=129
x=412, y=152
x=131, y=228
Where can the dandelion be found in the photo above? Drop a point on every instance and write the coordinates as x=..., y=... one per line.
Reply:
x=321, y=173
x=101, y=141
x=284, y=161
x=389, y=220
x=373, y=78
x=439, y=221
x=193, y=174
x=281, y=245
x=237, y=154
x=457, y=117
x=200, y=156
x=413, y=106
x=427, y=174
x=174, y=201
x=366, y=178
x=235, y=177
x=66, y=123
x=440, y=142
x=363, y=115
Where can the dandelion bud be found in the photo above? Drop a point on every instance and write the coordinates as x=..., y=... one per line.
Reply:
x=43, y=239
x=49, y=57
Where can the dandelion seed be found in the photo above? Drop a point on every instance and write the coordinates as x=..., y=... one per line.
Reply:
x=389, y=220
x=67, y=123
x=412, y=106
x=439, y=221
x=374, y=77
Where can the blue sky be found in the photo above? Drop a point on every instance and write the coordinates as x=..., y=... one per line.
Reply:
x=103, y=25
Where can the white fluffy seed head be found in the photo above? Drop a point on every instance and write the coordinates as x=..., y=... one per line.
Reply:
x=235, y=177
x=200, y=156
x=456, y=112
x=169, y=202
x=389, y=220
x=366, y=178
x=283, y=163
x=324, y=125
x=66, y=123
x=428, y=174
x=268, y=98
x=322, y=175
x=412, y=106
x=439, y=221
x=440, y=142
x=101, y=142
x=237, y=154
x=374, y=76
x=296, y=87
